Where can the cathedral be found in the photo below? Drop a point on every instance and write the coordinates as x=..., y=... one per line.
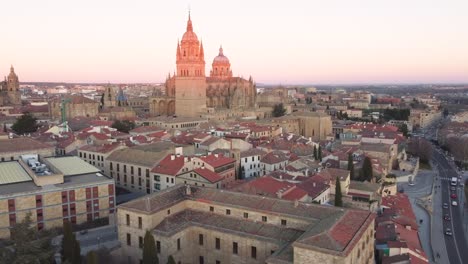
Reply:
x=9, y=89
x=190, y=93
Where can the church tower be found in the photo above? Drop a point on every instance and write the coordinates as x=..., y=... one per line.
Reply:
x=190, y=80
x=13, y=87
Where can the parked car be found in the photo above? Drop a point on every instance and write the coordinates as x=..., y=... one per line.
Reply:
x=453, y=196
x=453, y=188
x=445, y=205
x=454, y=203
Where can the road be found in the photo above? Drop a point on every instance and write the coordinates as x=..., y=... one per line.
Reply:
x=456, y=245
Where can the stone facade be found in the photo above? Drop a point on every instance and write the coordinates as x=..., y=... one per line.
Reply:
x=206, y=225
x=75, y=106
x=314, y=125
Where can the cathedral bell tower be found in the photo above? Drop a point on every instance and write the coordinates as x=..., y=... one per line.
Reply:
x=190, y=80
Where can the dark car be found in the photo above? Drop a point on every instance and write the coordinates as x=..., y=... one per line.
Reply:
x=453, y=196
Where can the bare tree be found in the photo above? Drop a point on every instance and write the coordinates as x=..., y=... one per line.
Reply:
x=421, y=148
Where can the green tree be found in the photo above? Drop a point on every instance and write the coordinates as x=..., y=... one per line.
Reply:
x=102, y=100
x=92, y=257
x=29, y=245
x=351, y=166
x=123, y=126
x=319, y=153
x=367, y=173
x=338, y=194
x=403, y=128
x=26, y=123
x=71, y=250
x=170, y=260
x=150, y=256
x=278, y=110
x=315, y=153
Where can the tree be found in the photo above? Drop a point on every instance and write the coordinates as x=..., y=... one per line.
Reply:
x=29, y=245
x=26, y=123
x=71, y=250
x=102, y=100
x=92, y=257
x=319, y=153
x=123, y=126
x=403, y=128
x=351, y=166
x=170, y=260
x=338, y=194
x=315, y=153
x=366, y=170
x=421, y=148
x=150, y=256
x=278, y=110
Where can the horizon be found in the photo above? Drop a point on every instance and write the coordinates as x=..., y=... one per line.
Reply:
x=352, y=43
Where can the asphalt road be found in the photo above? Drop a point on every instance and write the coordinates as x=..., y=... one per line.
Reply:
x=457, y=247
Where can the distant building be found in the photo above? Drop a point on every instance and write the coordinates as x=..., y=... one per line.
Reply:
x=13, y=148
x=313, y=124
x=53, y=190
x=9, y=89
x=75, y=106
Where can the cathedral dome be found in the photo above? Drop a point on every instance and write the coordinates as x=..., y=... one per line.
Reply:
x=221, y=59
x=189, y=35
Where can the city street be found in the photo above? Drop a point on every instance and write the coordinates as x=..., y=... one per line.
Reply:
x=456, y=244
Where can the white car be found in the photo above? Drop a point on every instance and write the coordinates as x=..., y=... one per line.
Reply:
x=454, y=203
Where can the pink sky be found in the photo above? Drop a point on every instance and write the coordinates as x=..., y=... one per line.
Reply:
x=295, y=42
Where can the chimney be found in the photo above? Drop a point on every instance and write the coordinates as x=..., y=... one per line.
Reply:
x=178, y=154
x=172, y=157
x=296, y=203
x=188, y=190
x=216, y=155
x=313, y=184
x=209, y=153
x=185, y=159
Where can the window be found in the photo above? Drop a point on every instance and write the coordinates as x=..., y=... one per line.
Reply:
x=140, y=222
x=235, y=249
x=178, y=244
x=172, y=180
x=125, y=168
x=272, y=252
x=129, y=239
x=211, y=209
x=131, y=169
x=157, y=178
x=264, y=218
x=283, y=222
x=118, y=167
x=246, y=215
x=158, y=247
x=140, y=242
x=169, y=211
x=200, y=239
x=139, y=171
x=201, y=258
x=253, y=252
x=128, y=219
x=157, y=186
x=218, y=262
x=228, y=211
x=218, y=243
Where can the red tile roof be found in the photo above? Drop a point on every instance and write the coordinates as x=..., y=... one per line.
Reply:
x=218, y=161
x=170, y=165
x=346, y=228
x=208, y=175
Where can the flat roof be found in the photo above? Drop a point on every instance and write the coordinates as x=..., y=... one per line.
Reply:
x=12, y=172
x=72, y=165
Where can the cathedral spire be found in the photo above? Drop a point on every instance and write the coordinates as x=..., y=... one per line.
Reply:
x=12, y=70
x=189, y=23
x=221, y=50
x=202, y=51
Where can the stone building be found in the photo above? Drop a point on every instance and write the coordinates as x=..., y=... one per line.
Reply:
x=197, y=224
x=11, y=149
x=314, y=124
x=58, y=190
x=75, y=106
x=9, y=89
x=188, y=93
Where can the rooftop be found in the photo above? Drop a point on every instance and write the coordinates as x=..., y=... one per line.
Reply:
x=70, y=166
x=21, y=144
x=12, y=172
